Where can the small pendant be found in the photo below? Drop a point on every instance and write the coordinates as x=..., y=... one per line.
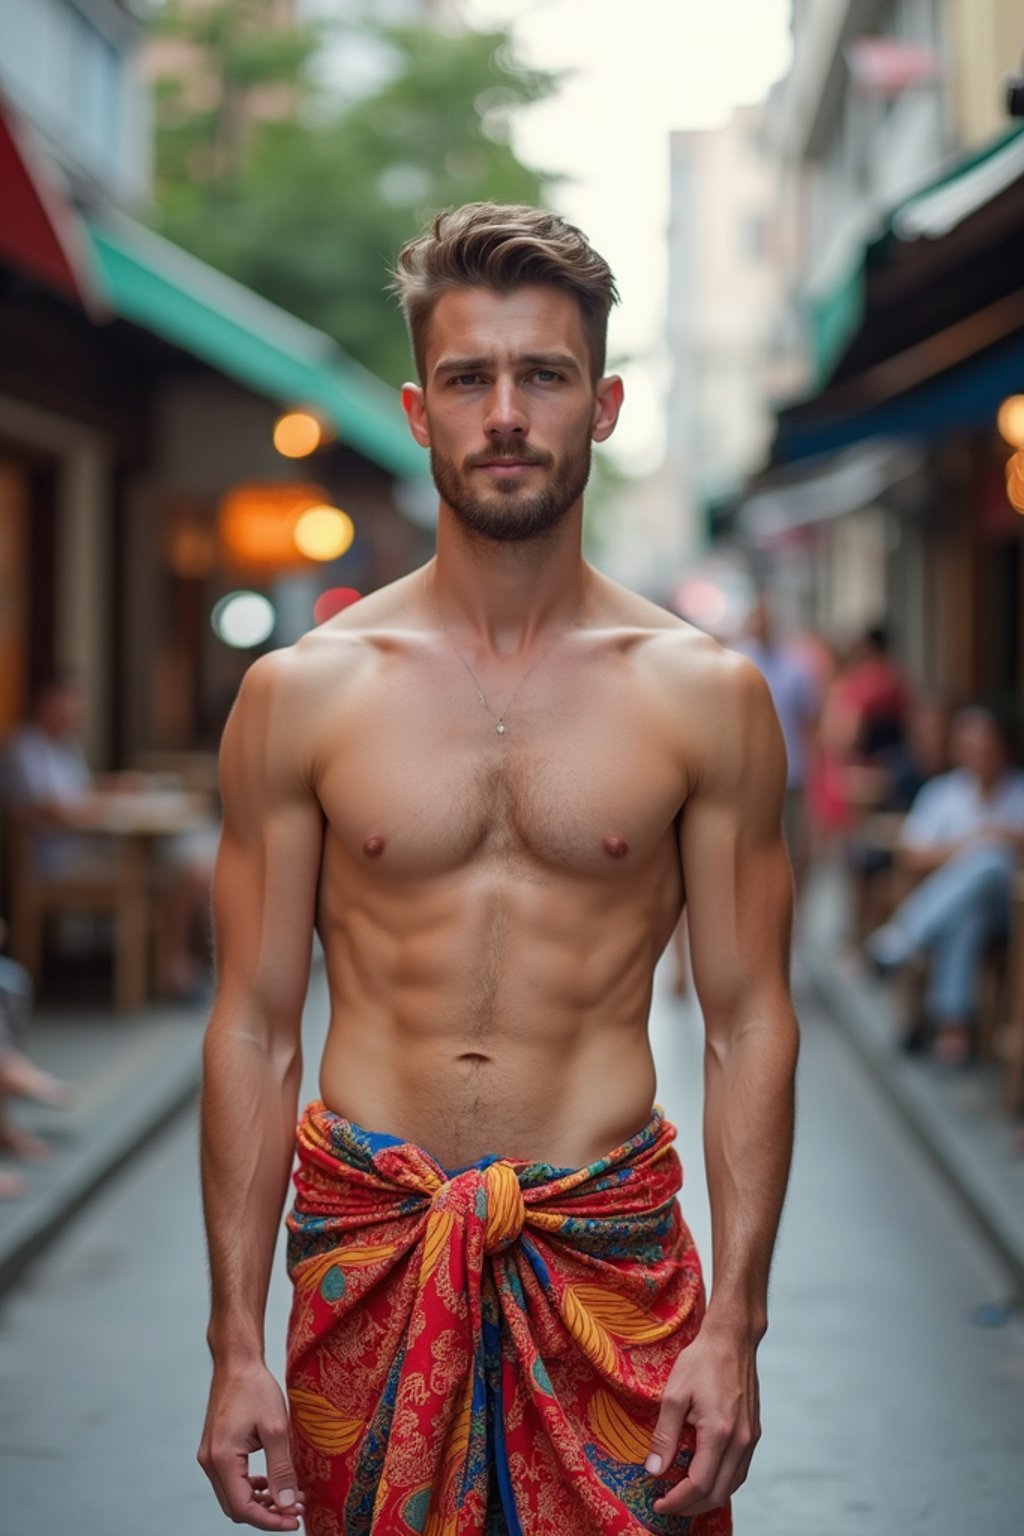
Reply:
x=500, y=727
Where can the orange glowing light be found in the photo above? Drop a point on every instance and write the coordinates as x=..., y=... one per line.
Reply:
x=1015, y=480
x=333, y=601
x=256, y=521
x=323, y=532
x=298, y=434
x=1010, y=421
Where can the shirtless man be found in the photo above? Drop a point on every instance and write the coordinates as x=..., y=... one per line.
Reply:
x=490, y=787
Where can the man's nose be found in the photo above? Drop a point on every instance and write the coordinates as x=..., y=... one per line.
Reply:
x=505, y=411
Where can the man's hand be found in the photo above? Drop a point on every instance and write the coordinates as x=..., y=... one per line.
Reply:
x=247, y=1413
x=712, y=1386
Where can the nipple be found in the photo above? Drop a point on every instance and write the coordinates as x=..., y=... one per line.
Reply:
x=615, y=847
x=374, y=846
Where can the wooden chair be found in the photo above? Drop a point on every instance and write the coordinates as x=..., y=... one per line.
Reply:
x=34, y=901
x=877, y=891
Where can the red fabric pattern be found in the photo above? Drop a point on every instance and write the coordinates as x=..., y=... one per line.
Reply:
x=484, y=1352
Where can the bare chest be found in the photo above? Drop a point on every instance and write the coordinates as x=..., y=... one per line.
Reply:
x=416, y=779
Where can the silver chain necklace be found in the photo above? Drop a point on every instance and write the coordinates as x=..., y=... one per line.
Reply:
x=500, y=718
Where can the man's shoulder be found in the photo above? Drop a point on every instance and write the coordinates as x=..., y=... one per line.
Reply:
x=716, y=700
x=671, y=641
x=328, y=653
x=21, y=737
x=706, y=672
x=953, y=788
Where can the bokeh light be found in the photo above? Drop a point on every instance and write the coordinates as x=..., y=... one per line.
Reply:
x=1010, y=421
x=298, y=434
x=256, y=521
x=1015, y=480
x=243, y=619
x=702, y=601
x=323, y=532
x=333, y=601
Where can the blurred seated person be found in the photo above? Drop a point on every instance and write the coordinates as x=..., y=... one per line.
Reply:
x=45, y=774
x=963, y=837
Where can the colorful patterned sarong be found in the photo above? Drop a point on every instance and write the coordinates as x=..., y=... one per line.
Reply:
x=484, y=1351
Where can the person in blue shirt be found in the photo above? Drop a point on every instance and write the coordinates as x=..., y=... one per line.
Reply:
x=964, y=836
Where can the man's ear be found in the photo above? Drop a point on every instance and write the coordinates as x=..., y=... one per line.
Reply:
x=608, y=395
x=414, y=406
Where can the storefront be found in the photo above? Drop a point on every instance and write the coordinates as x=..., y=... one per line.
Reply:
x=139, y=394
x=893, y=479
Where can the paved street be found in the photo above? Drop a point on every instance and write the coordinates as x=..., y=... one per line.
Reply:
x=886, y=1408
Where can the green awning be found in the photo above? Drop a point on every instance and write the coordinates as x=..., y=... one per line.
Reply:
x=834, y=317
x=162, y=288
x=964, y=184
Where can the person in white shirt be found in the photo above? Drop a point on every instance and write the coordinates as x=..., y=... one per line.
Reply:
x=45, y=774
x=964, y=835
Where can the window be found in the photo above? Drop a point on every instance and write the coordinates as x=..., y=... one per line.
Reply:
x=68, y=75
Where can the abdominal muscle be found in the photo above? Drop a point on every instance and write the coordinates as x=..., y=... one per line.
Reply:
x=480, y=1017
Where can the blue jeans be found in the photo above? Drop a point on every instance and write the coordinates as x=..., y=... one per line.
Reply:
x=953, y=914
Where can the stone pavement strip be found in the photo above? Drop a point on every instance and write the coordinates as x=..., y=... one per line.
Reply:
x=955, y=1115
x=130, y=1075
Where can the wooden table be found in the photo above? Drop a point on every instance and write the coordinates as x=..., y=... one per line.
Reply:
x=134, y=820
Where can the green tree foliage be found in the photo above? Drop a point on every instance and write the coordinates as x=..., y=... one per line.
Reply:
x=271, y=175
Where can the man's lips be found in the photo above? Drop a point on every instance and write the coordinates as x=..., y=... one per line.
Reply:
x=507, y=466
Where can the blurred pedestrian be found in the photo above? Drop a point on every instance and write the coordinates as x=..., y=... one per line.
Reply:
x=964, y=837
x=901, y=772
x=876, y=692
x=795, y=693
x=46, y=778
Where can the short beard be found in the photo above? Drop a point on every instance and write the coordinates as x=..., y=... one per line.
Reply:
x=507, y=515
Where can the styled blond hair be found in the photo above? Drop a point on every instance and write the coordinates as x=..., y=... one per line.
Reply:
x=502, y=246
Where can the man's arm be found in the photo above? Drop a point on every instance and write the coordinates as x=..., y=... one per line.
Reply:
x=739, y=894
x=264, y=899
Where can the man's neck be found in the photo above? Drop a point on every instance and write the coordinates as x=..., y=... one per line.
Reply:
x=508, y=593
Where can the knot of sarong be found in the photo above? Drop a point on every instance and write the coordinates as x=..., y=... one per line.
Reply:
x=493, y=1195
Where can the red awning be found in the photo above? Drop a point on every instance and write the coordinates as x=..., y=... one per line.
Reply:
x=40, y=232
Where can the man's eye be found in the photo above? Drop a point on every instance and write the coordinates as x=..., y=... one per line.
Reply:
x=467, y=378
x=546, y=375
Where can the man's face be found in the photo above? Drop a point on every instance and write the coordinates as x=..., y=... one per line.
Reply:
x=60, y=711
x=508, y=408
x=978, y=747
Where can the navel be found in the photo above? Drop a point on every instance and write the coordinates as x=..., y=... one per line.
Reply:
x=615, y=847
x=374, y=846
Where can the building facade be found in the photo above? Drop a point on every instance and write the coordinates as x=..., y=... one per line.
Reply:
x=883, y=496
x=139, y=389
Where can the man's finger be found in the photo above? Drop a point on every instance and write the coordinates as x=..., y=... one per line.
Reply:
x=280, y=1472
x=668, y=1431
x=242, y=1504
x=701, y=1476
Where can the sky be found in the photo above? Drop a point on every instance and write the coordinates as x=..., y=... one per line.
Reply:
x=640, y=69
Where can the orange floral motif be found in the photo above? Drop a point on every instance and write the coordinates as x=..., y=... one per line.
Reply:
x=620, y=1435
x=319, y=1422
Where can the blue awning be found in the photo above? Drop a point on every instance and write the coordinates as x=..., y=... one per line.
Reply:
x=962, y=397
